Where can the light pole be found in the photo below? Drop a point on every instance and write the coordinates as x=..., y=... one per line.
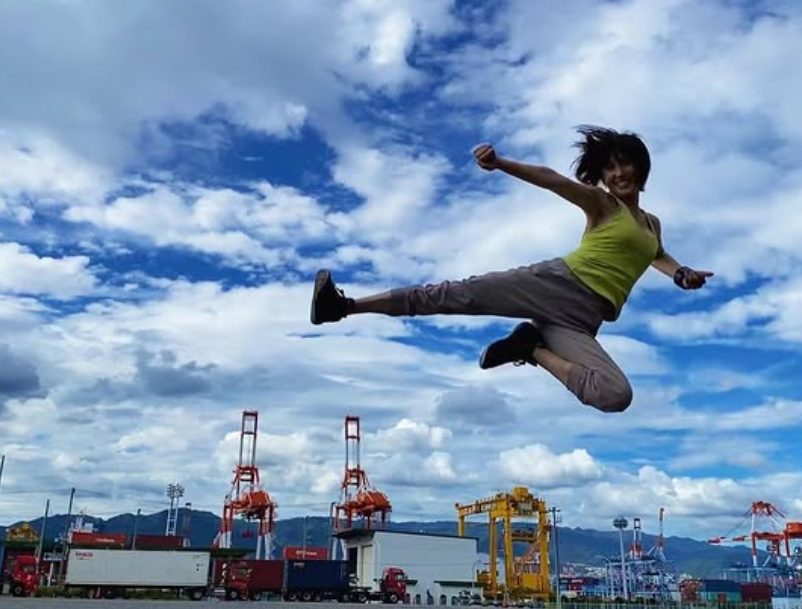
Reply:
x=174, y=492
x=306, y=520
x=136, y=528
x=555, y=519
x=185, y=523
x=621, y=523
x=332, y=527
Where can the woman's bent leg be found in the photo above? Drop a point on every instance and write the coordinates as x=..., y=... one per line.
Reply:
x=588, y=371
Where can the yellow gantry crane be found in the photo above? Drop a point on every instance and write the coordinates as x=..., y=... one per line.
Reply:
x=527, y=576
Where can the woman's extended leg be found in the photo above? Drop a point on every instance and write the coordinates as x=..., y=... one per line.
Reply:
x=524, y=293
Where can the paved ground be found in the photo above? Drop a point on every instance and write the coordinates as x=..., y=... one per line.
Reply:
x=8, y=602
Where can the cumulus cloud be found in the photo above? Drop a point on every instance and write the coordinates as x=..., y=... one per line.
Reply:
x=24, y=272
x=409, y=434
x=18, y=376
x=164, y=378
x=538, y=465
x=474, y=407
x=770, y=309
x=41, y=171
x=249, y=75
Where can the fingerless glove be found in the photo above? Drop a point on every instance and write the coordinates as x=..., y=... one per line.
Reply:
x=680, y=275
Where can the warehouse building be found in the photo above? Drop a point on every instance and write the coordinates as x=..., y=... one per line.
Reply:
x=439, y=567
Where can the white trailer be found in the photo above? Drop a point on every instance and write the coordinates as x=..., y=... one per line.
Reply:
x=111, y=573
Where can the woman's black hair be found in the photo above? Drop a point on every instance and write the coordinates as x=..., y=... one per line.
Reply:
x=600, y=145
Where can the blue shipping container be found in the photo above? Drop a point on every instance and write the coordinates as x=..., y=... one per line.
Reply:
x=316, y=575
x=719, y=585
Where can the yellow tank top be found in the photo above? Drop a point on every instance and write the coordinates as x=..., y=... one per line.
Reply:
x=612, y=256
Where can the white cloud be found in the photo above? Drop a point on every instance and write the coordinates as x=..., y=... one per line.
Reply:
x=537, y=465
x=23, y=272
x=263, y=225
x=248, y=64
x=440, y=466
x=397, y=186
x=771, y=309
x=408, y=434
x=40, y=166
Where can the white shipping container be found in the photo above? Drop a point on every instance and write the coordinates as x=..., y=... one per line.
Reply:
x=780, y=602
x=137, y=568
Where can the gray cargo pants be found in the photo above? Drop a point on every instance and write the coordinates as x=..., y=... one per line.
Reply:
x=566, y=311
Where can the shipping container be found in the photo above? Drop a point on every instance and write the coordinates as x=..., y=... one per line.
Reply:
x=329, y=576
x=97, y=540
x=251, y=579
x=756, y=592
x=158, y=542
x=111, y=572
x=719, y=585
x=267, y=575
x=710, y=590
x=305, y=553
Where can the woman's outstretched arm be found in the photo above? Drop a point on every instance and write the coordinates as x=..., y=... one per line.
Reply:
x=591, y=199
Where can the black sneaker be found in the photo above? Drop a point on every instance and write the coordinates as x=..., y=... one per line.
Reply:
x=516, y=348
x=328, y=301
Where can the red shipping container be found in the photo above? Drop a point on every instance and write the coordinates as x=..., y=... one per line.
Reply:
x=307, y=553
x=756, y=592
x=159, y=542
x=105, y=540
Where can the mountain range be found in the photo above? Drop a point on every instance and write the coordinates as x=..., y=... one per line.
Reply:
x=577, y=545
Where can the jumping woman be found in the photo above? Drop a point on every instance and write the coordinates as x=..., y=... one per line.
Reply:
x=565, y=300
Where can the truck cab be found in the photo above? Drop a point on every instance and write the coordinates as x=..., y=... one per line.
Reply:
x=393, y=585
x=24, y=576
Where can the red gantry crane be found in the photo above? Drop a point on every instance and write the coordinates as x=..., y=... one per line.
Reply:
x=247, y=497
x=359, y=501
x=767, y=523
x=658, y=551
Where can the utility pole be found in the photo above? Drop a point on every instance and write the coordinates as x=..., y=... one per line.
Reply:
x=42, y=531
x=65, y=537
x=555, y=519
x=136, y=526
x=2, y=464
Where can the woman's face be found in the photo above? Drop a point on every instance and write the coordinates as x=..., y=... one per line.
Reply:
x=620, y=178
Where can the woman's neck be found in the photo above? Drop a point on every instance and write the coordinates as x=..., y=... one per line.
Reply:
x=632, y=201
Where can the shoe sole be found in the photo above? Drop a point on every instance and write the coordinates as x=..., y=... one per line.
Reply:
x=484, y=365
x=321, y=278
x=483, y=357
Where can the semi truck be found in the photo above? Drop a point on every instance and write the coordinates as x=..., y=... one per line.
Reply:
x=113, y=573
x=307, y=580
x=24, y=576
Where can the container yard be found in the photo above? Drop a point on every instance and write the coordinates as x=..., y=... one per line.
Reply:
x=368, y=561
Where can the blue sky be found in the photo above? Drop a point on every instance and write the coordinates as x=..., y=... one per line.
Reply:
x=174, y=173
